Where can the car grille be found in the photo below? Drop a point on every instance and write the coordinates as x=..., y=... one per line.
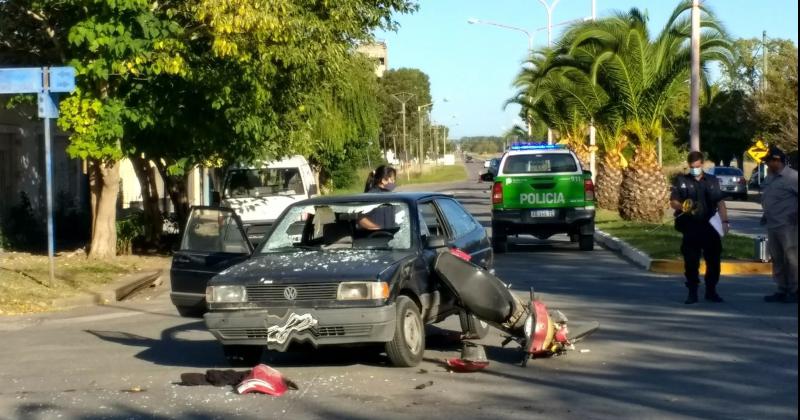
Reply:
x=333, y=331
x=305, y=291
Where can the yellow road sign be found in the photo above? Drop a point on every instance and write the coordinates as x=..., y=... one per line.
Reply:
x=758, y=151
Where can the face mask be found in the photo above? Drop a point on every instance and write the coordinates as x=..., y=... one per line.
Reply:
x=389, y=186
x=696, y=171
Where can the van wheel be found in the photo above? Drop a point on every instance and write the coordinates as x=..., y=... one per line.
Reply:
x=243, y=356
x=472, y=327
x=408, y=344
x=586, y=242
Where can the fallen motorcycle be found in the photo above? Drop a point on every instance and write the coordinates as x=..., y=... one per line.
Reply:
x=538, y=331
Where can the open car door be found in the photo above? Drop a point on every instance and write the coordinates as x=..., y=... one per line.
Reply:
x=213, y=240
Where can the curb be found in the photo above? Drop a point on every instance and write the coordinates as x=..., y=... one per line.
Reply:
x=730, y=267
x=115, y=291
x=620, y=247
x=642, y=260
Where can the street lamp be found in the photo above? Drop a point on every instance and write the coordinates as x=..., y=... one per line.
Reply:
x=403, y=98
x=473, y=21
x=421, y=135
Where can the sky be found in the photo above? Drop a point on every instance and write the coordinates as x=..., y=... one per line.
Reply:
x=471, y=66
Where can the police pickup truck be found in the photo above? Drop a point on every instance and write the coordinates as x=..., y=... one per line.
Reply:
x=542, y=190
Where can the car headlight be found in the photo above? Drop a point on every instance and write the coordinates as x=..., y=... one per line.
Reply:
x=528, y=326
x=226, y=294
x=362, y=290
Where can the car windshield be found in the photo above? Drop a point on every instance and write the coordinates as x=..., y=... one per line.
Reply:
x=540, y=163
x=359, y=225
x=259, y=182
x=727, y=171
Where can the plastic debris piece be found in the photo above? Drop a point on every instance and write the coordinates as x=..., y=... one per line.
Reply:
x=425, y=385
x=460, y=365
x=265, y=380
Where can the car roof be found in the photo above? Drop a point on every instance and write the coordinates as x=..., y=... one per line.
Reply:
x=407, y=197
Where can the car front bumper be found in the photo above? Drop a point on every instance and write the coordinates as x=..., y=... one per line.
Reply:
x=273, y=327
x=564, y=219
x=734, y=189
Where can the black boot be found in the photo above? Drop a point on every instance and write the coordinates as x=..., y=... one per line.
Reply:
x=692, y=296
x=711, y=294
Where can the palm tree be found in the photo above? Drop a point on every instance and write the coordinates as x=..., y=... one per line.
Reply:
x=563, y=98
x=639, y=74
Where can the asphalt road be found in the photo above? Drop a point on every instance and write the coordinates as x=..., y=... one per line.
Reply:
x=653, y=357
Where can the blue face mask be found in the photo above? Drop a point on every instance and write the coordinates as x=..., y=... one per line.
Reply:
x=388, y=187
x=696, y=171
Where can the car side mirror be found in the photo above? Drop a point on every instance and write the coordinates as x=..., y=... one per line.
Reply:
x=487, y=163
x=215, y=198
x=435, y=242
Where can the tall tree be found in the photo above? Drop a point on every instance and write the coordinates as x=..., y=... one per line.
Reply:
x=640, y=74
x=404, y=80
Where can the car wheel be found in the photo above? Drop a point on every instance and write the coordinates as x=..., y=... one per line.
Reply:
x=408, y=344
x=191, y=311
x=472, y=327
x=242, y=356
x=586, y=242
x=499, y=238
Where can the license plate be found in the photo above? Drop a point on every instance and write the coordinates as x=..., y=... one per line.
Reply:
x=543, y=213
x=730, y=188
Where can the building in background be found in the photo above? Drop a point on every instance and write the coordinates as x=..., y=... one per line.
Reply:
x=379, y=53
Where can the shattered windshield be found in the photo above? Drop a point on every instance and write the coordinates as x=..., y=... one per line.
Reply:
x=373, y=225
x=241, y=183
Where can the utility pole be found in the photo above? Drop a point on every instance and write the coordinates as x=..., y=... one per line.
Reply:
x=592, y=130
x=403, y=98
x=694, y=111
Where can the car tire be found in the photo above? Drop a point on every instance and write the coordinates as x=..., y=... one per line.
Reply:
x=191, y=311
x=586, y=242
x=472, y=327
x=408, y=344
x=499, y=239
x=243, y=356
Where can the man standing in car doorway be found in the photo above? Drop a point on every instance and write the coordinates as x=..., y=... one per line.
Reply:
x=779, y=200
x=696, y=199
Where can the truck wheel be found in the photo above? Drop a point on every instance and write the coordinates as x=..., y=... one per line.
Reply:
x=408, y=344
x=243, y=356
x=586, y=242
x=472, y=327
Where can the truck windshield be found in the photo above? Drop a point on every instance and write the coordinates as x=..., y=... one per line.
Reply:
x=372, y=225
x=540, y=163
x=266, y=181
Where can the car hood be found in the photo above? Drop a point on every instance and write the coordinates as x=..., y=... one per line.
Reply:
x=312, y=267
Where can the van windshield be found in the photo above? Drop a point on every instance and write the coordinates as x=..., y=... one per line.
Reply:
x=266, y=181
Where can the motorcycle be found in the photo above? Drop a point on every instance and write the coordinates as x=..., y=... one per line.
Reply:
x=538, y=331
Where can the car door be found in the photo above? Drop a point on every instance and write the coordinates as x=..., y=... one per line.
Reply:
x=213, y=240
x=466, y=233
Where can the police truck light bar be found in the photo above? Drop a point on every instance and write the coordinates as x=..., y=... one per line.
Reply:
x=535, y=146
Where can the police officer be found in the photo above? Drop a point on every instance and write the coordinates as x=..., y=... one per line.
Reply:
x=696, y=198
x=779, y=200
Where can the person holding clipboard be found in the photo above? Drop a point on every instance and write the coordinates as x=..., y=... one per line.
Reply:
x=702, y=218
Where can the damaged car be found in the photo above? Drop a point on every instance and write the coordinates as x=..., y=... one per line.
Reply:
x=334, y=271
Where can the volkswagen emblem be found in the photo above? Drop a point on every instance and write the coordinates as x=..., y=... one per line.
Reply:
x=290, y=293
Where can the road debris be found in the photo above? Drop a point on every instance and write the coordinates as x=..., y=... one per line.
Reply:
x=425, y=385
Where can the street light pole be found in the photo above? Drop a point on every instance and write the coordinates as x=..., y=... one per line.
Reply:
x=694, y=128
x=403, y=98
x=473, y=21
x=421, y=142
x=549, y=9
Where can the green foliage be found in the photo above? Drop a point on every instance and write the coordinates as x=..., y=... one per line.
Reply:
x=404, y=80
x=483, y=144
x=129, y=228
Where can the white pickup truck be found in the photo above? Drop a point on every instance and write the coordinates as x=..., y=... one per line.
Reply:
x=259, y=194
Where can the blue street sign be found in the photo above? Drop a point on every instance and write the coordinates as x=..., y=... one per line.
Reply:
x=20, y=80
x=48, y=105
x=62, y=79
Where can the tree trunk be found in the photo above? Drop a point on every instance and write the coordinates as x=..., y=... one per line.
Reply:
x=178, y=193
x=152, y=215
x=609, y=181
x=104, y=185
x=645, y=193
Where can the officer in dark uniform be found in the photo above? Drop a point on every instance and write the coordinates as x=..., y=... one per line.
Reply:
x=696, y=198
